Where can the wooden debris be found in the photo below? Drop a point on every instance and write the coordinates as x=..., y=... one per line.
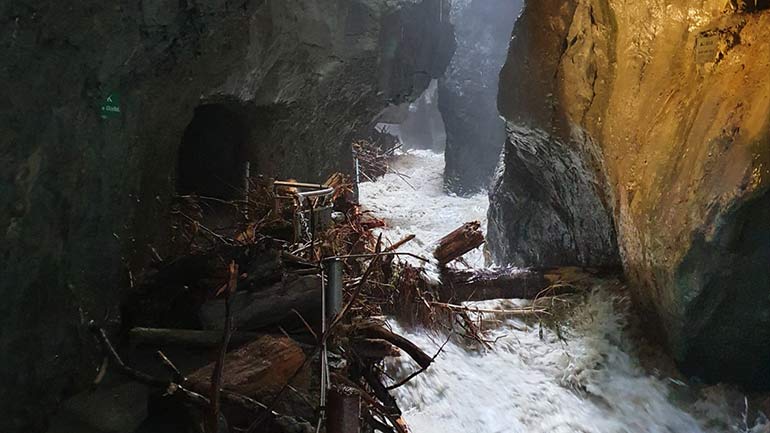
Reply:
x=258, y=369
x=185, y=337
x=273, y=306
x=373, y=157
x=277, y=285
x=400, y=243
x=343, y=410
x=374, y=348
x=373, y=330
x=179, y=387
x=396, y=421
x=460, y=241
x=509, y=283
x=381, y=391
x=343, y=187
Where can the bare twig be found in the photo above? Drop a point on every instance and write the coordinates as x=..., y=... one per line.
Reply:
x=175, y=373
x=141, y=377
x=403, y=177
x=304, y=322
x=172, y=387
x=234, y=203
x=218, y=373
x=212, y=233
x=398, y=244
x=515, y=311
x=102, y=371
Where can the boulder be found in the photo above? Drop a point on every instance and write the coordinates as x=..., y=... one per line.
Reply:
x=110, y=409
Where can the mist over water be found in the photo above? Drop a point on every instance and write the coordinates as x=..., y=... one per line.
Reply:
x=531, y=380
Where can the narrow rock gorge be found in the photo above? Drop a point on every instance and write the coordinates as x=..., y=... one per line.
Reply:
x=640, y=133
x=475, y=134
x=204, y=228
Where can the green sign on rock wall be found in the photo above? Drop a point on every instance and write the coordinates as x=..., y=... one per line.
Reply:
x=110, y=108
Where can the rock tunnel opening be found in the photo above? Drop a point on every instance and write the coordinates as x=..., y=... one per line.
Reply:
x=212, y=154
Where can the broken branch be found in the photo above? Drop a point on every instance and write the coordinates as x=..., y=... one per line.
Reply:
x=460, y=241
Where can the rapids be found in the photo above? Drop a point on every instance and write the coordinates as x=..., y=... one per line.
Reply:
x=589, y=380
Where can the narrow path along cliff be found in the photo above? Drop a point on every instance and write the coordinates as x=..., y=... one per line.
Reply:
x=584, y=378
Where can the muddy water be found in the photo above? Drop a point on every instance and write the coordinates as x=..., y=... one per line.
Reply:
x=532, y=380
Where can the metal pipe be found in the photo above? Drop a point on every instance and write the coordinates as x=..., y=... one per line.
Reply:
x=333, y=298
x=246, y=185
x=246, y=177
x=325, y=191
x=298, y=184
x=312, y=231
x=324, y=384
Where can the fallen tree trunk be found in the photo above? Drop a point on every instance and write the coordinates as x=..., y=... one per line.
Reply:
x=185, y=337
x=283, y=303
x=459, y=242
x=508, y=283
x=375, y=331
x=374, y=348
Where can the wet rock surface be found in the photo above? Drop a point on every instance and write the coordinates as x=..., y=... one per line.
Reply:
x=420, y=124
x=675, y=142
x=111, y=409
x=545, y=208
x=475, y=134
x=98, y=97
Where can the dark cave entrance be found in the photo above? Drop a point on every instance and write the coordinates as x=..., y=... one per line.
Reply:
x=211, y=157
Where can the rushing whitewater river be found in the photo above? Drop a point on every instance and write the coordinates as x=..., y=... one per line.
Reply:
x=531, y=380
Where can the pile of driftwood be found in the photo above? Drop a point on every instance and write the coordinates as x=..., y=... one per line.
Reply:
x=373, y=156
x=418, y=300
x=250, y=295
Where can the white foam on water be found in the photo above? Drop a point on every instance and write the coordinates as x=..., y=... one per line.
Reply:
x=413, y=201
x=531, y=381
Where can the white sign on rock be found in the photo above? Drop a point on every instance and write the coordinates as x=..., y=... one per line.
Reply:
x=706, y=48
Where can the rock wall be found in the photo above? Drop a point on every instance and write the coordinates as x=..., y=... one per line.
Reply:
x=84, y=192
x=422, y=127
x=674, y=146
x=468, y=92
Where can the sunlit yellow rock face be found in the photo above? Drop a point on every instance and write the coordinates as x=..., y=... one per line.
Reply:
x=679, y=145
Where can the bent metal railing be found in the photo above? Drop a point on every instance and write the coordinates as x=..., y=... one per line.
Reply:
x=310, y=201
